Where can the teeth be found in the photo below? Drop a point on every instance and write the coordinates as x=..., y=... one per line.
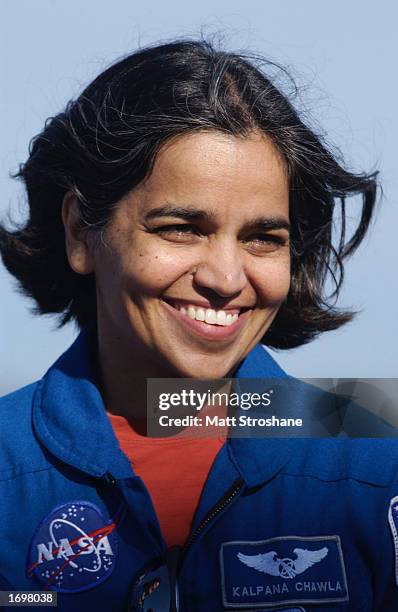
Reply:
x=210, y=316
x=200, y=314
x=221, y=317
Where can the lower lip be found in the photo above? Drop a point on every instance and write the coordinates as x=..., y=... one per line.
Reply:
x=207, y=331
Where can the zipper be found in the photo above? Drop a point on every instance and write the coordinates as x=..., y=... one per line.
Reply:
x=109, y=479
x=219, y=507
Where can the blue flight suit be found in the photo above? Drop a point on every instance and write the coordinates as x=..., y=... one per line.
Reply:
x=291, y=524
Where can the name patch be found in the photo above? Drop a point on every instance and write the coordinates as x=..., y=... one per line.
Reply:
x=73, y=549
x=283, y=570
x=275, y=610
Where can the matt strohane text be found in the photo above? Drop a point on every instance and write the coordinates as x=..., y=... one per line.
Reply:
x=228, y=421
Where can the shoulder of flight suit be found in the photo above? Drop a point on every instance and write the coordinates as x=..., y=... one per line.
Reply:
x=20, y=451
x=368, y=460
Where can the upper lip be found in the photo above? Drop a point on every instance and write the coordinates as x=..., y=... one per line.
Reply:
x=204, y=304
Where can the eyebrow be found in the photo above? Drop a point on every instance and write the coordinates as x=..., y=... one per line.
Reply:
x=188, y=214
x=271, y=222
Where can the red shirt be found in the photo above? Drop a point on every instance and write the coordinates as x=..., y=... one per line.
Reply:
x=174, y=471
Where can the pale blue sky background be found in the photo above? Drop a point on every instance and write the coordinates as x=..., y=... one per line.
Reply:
x=342, y=53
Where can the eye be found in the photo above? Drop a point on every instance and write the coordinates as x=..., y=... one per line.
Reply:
x=266, y=243
x=178, y=231
x=178, y=228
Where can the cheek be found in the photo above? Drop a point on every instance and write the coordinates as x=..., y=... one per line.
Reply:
x=272, y=281
x=151, y=271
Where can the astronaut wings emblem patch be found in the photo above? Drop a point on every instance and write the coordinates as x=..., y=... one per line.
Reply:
x=271, y=564
x=285, y=570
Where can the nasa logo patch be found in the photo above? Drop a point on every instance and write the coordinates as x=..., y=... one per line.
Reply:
x=73, y=548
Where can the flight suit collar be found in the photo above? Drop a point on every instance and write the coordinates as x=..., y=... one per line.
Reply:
x=258, y=459
x=70, y=420
x=69, y=416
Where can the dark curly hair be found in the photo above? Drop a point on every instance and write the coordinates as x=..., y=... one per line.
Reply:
x=105, y=143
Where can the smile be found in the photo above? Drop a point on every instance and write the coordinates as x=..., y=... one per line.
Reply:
x=208, y=315
x=211, y=323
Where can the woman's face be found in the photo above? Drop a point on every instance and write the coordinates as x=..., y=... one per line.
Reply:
x=195, y=263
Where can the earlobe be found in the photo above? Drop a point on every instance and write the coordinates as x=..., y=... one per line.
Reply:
x=76, y=236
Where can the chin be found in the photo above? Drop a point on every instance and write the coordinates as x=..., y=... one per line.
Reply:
x=204, y=370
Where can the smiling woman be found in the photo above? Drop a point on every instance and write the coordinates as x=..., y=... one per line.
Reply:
x=182, y=213
x=183, y=254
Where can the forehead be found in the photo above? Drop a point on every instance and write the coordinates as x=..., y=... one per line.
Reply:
x=217, y=172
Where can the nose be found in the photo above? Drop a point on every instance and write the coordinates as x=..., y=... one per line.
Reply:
x=221, y=270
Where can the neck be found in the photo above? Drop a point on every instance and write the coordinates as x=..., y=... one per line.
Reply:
x=122, y=380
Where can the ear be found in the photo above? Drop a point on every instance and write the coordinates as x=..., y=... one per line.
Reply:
x=76, y=236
